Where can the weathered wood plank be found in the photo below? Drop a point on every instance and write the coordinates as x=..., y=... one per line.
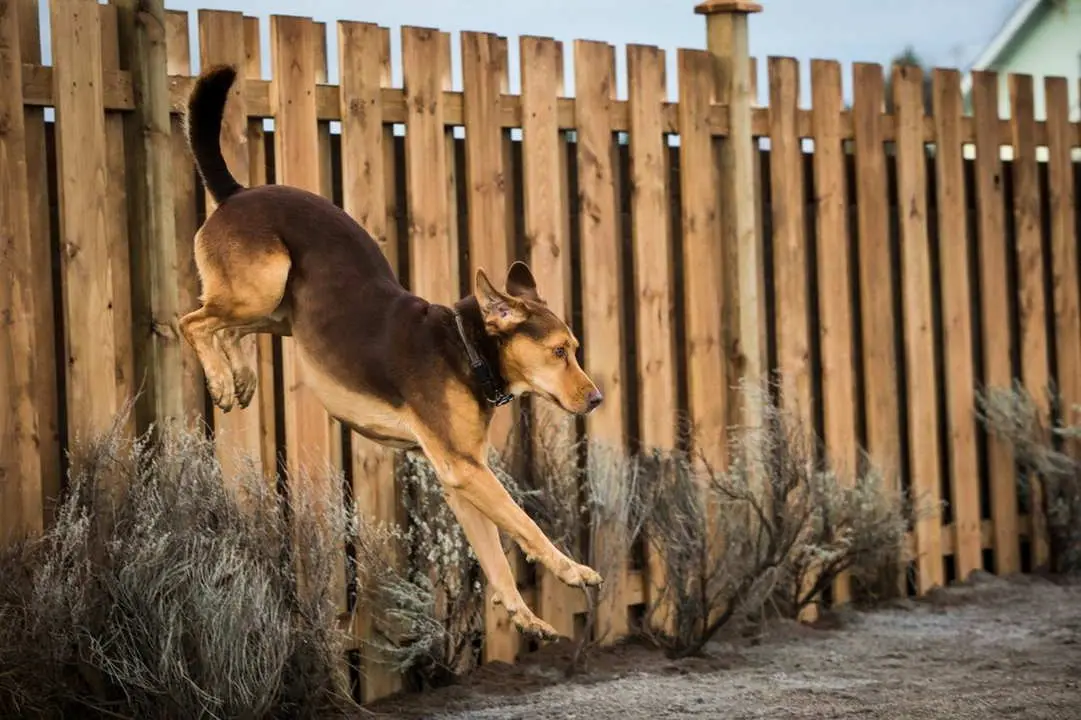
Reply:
x=185, y=217
x=994, y=310
x=601, y=258
x=702, y=262
x=1035, y=354
x=37, y=92
x=116, y=219
x=790, y=259
x=835, y=291
x=876, y=276
x=960, y=381
x=21, y=511
x=89, y=326
x=46, y=372
x=1064, y=262
x=653, y=275
x=918, y=319
x=426, y=72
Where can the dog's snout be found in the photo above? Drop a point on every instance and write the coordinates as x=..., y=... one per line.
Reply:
x=594, y=399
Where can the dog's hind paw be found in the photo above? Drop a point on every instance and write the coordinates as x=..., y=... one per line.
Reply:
x=221, y=391
x=246, y=382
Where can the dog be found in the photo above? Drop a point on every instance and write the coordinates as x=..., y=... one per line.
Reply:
x=399, y=370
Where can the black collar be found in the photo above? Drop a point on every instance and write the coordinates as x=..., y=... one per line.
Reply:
x=491, y=384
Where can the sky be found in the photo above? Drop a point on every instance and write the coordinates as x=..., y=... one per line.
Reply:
x=946, y=33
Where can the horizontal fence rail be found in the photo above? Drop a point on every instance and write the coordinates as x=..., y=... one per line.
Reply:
x=895, y=264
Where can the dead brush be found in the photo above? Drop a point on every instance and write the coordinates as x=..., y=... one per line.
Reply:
x=1053, y=453
x=769, y=533
x=421, y=583
x=164, y=591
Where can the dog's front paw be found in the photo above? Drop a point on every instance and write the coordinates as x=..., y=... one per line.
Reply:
x=529, y=624
x=577, y=575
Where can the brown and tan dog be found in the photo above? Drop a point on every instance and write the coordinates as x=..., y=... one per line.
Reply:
x=397, y=369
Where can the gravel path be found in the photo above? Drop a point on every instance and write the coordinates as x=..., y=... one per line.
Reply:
x=992, y=648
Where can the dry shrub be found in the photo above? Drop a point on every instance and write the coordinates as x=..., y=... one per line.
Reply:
x=421, y=583
x=163, y=592
x=770, y=532
x=1049, y=452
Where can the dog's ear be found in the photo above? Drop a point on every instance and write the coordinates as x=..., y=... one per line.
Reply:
x=521, y=283
x=501, y=312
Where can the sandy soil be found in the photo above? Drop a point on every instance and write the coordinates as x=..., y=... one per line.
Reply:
x=990, y=648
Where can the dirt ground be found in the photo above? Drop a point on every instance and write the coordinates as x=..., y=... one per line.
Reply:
x=990, y=648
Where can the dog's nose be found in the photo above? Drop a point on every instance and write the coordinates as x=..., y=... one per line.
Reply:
x=594, y=399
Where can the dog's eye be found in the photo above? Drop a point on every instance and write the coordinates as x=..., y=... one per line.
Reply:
x=560, y=352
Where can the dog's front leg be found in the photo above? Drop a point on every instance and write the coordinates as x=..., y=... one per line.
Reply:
x=483, y=536
x=473, y=481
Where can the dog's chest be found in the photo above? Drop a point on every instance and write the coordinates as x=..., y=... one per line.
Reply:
x=367, y=415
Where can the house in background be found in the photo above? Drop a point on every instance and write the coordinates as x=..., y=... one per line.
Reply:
x=1041, y=38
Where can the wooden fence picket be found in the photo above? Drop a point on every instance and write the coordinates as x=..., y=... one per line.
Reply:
x=47, y=370
x=1066, y=295
x=1035, y=357
x=835, y=273
x=994, y=311
x=21, y=511
x=654, y=266
x=702, y=266
x=594, y=82
x=923, y=456
x=116, y=219
x=791, y=261
x=959, y=382
x=185, y=216
x=876, y=275
x=90, y=343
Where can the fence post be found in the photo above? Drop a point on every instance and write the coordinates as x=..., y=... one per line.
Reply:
x=154, y=282
x=744, y=317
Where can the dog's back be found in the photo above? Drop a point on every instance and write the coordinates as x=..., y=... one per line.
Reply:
x=312, y=228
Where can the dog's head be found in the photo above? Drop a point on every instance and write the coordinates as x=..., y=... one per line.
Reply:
x=537, y=349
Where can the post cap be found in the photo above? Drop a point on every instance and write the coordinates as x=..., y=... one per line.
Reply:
x=717, y=7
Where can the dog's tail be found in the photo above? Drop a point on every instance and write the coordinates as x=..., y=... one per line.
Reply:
x=206, y=105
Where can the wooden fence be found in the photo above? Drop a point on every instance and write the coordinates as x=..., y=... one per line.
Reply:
x=883, y=272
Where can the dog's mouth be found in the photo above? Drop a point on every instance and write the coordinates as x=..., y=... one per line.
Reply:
x=550, y=397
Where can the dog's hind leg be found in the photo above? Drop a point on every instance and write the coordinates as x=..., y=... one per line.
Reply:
x=198, y=327
x=243, y=281
x=239, y=348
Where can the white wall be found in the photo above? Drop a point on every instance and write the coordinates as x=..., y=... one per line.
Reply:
x=1051, y=47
